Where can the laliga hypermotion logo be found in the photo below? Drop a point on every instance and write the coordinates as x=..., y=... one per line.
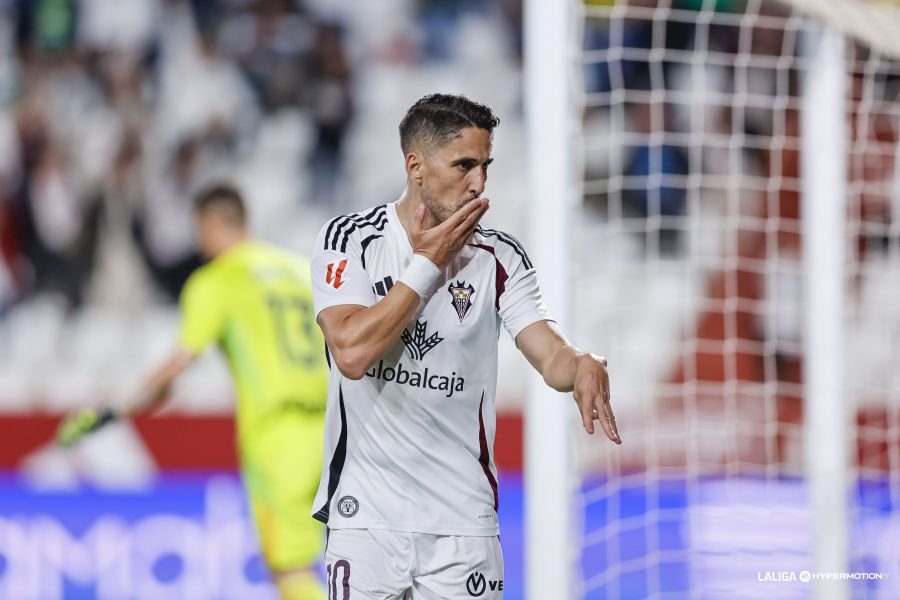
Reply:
x=461, y=295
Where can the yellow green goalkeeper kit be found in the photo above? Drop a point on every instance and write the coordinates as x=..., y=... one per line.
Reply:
x=255, y=303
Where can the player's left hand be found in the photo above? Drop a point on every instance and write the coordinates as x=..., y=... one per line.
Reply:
x=592, y=395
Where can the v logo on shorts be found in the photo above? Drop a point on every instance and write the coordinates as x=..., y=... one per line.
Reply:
x=477, y=585
x=334, y=272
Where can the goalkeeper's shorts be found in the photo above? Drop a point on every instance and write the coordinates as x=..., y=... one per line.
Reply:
x=281, y=469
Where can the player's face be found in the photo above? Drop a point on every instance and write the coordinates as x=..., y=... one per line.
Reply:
x=456, y=173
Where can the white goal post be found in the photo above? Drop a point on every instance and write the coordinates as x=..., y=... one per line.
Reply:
x=824, y=191
x=549, y=539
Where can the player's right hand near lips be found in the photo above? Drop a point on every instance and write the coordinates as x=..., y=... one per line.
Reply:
x=441, y=243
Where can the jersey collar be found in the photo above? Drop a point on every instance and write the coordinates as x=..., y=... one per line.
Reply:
x=395, y=224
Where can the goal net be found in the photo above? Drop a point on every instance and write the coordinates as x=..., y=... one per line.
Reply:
x=688, y=250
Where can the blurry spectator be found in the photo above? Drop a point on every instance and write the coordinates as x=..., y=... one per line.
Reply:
x=627, y=69
x=123, y=108
x=662, y=169
x=47, y=26
x=201, y=93
x=207, y=14
x=164, y=226
x=119, y=276
x=599, y=35
x=331, y=104
x=118, y=25
x=512, y=13
x=782, y=325
x=270, y=43
x=10, y=156
x=714, y=5
x=439, y=20
x=125, y=88
x=9, y=181
x=60, y=230
x=64, y=90
x=765, y=80
x=873, y=123
x=95, y=124
x=8, y=59
x=9, y=289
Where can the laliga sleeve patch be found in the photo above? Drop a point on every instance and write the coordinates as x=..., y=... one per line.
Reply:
x=334, y=273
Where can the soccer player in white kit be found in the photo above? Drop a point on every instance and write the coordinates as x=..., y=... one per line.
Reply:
x=411, y=296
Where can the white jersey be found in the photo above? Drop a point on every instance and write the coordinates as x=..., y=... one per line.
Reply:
x=409, y=446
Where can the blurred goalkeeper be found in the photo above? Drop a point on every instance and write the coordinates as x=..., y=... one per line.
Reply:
x=254, y=301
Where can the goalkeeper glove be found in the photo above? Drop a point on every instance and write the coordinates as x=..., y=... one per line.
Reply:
x=79, y=424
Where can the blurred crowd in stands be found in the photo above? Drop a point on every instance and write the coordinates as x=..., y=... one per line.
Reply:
x=692, y=127
x=711, y=88
x=113, y=113
x=116, y=112
x=683, y=117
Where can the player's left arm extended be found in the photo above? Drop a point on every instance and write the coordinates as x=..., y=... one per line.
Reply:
x=150, y=397
x=565, y=368
x=155, y=390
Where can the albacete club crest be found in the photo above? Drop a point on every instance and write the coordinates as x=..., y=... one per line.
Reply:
x=461, y=294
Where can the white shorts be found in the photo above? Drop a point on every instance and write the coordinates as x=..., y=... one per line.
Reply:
x=372, y=564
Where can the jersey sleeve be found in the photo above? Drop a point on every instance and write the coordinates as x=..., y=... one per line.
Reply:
x=203, y=312
x=338, y=276
x=520, y=302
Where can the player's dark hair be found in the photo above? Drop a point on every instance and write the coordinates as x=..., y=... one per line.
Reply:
x=225, y=200
x=437, y=118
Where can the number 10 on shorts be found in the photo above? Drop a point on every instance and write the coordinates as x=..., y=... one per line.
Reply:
x=339, y=579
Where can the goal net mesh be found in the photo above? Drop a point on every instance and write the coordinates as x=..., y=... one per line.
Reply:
x=687, y=257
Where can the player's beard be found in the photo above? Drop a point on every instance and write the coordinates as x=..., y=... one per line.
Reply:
x=442, y=211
